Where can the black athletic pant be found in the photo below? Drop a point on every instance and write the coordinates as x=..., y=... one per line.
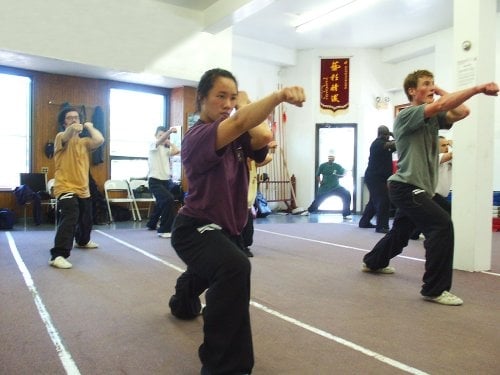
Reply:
x=74, y=223
x=215, y=263
x=378, y=204
x=416, y=209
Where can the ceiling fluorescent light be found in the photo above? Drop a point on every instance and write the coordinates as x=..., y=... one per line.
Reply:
x=341, y=10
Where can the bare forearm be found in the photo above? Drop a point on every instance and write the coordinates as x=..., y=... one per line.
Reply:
x=453, y=102
x=174, y=150
x=260, y=135
x=164, y=137
x=69, y=132
x=253, y=114
x=96, y=135
x=447, y=156
x=267, y=160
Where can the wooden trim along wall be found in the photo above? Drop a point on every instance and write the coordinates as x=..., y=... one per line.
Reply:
x=52, y=90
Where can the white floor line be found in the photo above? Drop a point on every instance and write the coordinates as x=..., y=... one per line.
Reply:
x=331, y=243
x=64, y=355
x=351, y=247
x=490, y=273
x=143, y=252
x=339, y=340
x=327, y=335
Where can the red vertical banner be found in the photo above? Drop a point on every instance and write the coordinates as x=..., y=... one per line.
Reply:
x=334, y=84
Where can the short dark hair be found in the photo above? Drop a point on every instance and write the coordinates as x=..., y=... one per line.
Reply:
x=411, y=80
x=383, y=130
x=160, y=129
x=62, y=114
x=207, y=82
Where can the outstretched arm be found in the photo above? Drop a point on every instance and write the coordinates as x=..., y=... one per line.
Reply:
x=260, y=134
x=165, y=136
x=96, y=138
x=452, y=103
x=254, y=114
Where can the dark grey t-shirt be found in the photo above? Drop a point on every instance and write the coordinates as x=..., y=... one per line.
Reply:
x=417, y=145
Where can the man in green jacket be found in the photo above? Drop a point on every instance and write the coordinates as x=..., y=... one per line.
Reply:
x=327, y=176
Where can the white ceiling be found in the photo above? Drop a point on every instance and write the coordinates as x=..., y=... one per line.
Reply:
x=382, y=24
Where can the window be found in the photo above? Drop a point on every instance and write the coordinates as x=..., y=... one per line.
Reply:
x=134, y=117
x=15, y=123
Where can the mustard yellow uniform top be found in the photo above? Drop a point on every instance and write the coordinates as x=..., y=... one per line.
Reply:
x=72, y=161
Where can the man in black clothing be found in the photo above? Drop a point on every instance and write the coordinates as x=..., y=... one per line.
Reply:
x=378, y=171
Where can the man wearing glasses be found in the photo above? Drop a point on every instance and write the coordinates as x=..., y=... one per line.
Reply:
x=71, y=187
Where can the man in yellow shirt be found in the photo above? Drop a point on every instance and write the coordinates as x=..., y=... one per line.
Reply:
x=71, y=187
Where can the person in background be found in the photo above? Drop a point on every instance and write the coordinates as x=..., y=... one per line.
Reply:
x=444, y=179
x=71, y=186
x=413, y=186
x=377, y=172
x=327, y=177
x=207, y=230
x=160, y=182
x=248, y=230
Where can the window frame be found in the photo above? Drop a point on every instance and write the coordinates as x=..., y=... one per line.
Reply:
x=165, y=92
x=29, y=139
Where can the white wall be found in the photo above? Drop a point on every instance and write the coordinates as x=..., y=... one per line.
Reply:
x=263, y=80
x=365, y=86
x=373, y=73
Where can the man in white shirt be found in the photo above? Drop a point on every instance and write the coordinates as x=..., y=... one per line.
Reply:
x=160, y=182
x=444, y=177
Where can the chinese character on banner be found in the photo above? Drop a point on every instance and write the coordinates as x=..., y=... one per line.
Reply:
x=334, y=84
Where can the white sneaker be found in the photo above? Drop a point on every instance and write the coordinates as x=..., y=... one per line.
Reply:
x=165, y=235
x=445, y=298
x=60, y=262
x=89, y=245
x=386, y=270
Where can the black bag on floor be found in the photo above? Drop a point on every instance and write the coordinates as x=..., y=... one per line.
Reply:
x=261, y=205
x=7, y=218
x=120, y=213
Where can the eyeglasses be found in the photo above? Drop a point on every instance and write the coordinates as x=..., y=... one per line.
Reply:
x=72, y=117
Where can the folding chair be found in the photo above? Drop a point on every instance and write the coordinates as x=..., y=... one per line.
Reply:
x=146, y=197
x=118, y=191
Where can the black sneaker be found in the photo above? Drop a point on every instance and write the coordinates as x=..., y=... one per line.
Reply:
x=185, y=309
x=247, y=252
x=369, y=225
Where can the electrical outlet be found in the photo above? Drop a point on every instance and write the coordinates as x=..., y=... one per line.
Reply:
x=45, y=169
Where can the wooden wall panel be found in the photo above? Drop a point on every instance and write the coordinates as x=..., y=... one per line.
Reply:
x=182, y=102
x=51, y=90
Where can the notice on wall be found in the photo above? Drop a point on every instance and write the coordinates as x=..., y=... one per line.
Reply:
x=466, y=72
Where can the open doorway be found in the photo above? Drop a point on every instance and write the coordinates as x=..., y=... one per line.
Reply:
x=342, y=139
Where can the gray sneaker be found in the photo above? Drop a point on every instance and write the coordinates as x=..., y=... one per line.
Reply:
x=386, y=270
x=445, y=298
x=60, y=262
